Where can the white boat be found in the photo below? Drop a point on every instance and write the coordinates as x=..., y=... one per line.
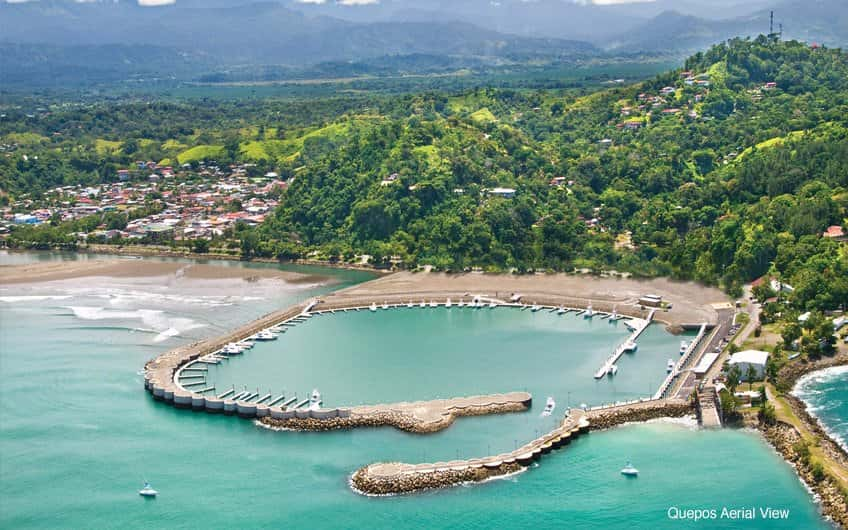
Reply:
x=589, y=312
x=560, y=310
x=535, y=308
x=231, y=349
x=385, y=305
x=373, y=306
x=410, y=304
x=147, y=491
x=423, y=304
x=265, y=334
x=448, y=304
x=613, y=316
x=629, y=470
x=493, y=305
x=550, y=405
x=245, y=344
x=433, y=303
x=461, y=303
x=630, y=346
x=613, y=369
x=670, y=366
x=315, y=400
x=683, y=346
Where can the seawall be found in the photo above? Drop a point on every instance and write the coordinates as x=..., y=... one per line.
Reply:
x=387, y=478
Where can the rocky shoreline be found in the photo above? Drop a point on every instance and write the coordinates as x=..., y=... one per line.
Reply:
x=403, y=421
x=784, y=438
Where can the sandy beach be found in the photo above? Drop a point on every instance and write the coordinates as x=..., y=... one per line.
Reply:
x=692, y=302
x=136, y=268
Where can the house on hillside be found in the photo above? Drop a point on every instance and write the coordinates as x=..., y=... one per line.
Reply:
x=506, y=193
x=835, y=232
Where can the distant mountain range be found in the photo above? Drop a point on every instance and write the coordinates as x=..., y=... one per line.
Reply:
x=48, y=38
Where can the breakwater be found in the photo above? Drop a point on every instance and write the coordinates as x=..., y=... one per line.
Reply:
x=386, y=478
x=416, y=417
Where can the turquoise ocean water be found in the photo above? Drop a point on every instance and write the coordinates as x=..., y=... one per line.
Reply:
x=78, y=433
x=826, y=395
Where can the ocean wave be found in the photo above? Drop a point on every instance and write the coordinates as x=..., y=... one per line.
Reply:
x=152, y=320
x=817, y=401
x=32, y=298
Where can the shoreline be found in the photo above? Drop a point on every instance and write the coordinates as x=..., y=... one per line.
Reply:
x=802, y=380
x=50, y=271
x=784, y=437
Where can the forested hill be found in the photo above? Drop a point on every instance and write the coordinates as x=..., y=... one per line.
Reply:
x=714, y=174
x=721, y=171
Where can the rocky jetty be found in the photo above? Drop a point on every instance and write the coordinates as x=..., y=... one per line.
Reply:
x=370, y=484
x=614, y=416
x=403, y=419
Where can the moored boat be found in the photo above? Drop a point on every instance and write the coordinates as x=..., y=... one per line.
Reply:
x=629, y=470
x=147, y=491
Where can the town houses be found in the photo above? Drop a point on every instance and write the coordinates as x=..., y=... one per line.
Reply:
x=159, y=202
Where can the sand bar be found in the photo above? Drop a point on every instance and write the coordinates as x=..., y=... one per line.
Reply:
x=136, y=268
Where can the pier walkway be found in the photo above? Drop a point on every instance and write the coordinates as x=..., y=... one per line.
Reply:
x=639, y=325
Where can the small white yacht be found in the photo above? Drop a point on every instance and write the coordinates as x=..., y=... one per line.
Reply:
x=385, y=305
x=410, y=304
x=535, y=308
x=448, y=304
x=629, y=470
x=315, y=400
x=147, y=491
x=373, y=306
x=493, y=305
x=550, y=405
x=433, y=303
x=461, y=303
x=560, y=310
x=231, y=349
x=423, y=304
x=613, y=369
x=245, y=344
x=683, y=346
x=265, y=334
x=630, y=346
x=670, y=366
x=589, y=312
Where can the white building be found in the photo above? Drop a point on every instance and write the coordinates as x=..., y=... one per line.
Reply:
x=746, y=358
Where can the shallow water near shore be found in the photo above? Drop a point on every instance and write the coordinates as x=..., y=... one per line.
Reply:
x=826, y=394
x=78, y=433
